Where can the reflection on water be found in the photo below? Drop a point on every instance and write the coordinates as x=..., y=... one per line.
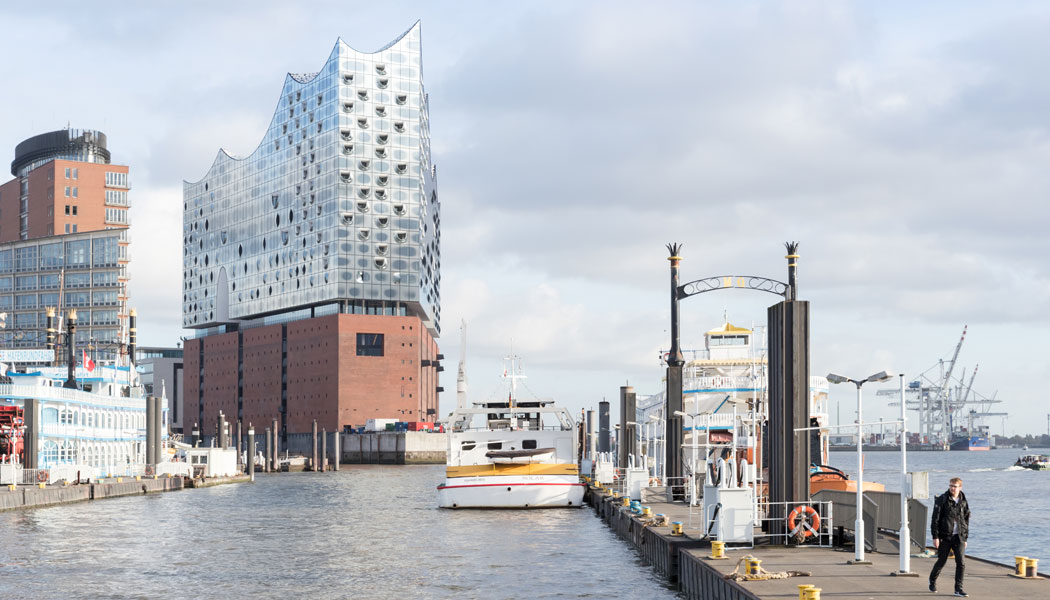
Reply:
x=366, y=531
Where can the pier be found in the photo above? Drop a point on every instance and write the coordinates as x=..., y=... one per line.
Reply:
x=20, y=496
x=684, y=561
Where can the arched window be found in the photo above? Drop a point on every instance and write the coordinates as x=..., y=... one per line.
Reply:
x=48, y=453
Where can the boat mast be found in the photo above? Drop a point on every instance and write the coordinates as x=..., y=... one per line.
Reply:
x=461, y=378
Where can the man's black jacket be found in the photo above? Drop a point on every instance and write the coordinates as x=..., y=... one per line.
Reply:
x=947, y=512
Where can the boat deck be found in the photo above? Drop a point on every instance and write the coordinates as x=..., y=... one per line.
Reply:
x=684, y=560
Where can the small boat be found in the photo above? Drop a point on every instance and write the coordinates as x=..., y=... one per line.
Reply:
x=1036, y=462
x=826, y=477
x=520, y=454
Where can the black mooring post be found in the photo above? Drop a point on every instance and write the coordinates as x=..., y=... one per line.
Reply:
x=789, y=453
x=71, y=360
x=675, y=361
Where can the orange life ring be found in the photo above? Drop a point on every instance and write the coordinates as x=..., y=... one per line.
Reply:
x=149, y=470
x=42, y=476
x=805, y=520
x=654, y=482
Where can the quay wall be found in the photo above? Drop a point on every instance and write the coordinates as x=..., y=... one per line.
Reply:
x=30, y=497
x=667, y=554
x=393, y=448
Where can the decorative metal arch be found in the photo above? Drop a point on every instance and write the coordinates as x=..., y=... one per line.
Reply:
x=722, y=282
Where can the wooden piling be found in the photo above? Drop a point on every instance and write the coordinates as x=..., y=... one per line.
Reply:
x=324, y=449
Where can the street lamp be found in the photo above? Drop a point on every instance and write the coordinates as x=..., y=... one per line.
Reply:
x=656, y=419
x=858, y=533
x=905, y=532
x=693, y=449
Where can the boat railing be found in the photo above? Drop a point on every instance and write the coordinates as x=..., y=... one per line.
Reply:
x=15, y=390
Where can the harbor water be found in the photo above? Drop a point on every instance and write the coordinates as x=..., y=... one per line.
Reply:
x=1008, y=504
x=364, y=531
x=374, y=531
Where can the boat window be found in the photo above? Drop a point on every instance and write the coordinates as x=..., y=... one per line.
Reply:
x=468, y=446
x=495, y=445
x=528, y=444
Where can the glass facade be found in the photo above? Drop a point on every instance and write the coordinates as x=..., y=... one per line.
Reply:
x=84, y=271
x=338, y=204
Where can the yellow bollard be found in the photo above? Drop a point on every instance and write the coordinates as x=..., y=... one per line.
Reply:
x=676, y=528
x=120, y=480
x=718, y=550
x=753, y=567
x=812, y=593
x=138, y=478
x=626, y=500
x=41, y=485
x=647, y=512
x=802, y=590
x=1031, y=567
x=12, y=487
x=1019, y=561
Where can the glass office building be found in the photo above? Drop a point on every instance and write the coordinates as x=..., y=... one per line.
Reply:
x=335, y=212
x=82, y=271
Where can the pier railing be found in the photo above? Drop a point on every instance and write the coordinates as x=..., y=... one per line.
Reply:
x=809, y=523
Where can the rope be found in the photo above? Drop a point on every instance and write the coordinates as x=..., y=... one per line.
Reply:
x=763, y=575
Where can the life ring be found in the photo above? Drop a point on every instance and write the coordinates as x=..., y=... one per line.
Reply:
x=42, y=475
x=803, y=521
x=149, y=470
x=654, y=482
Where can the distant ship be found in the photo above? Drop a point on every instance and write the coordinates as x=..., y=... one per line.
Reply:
x=971, y=442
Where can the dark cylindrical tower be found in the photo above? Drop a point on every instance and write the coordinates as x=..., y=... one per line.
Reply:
x=604, y=436
x=675, y=361
x=71, y=328
x=133, y=336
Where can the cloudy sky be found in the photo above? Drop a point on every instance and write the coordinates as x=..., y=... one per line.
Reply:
x=905, y=146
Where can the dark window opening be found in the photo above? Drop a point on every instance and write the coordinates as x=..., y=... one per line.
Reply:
x=528, y=444
x=370, y=344
x=495, y=445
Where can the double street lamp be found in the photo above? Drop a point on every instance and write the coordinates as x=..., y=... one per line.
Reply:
x=858, y=556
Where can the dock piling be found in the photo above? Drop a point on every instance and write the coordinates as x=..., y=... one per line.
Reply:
x=267, y=442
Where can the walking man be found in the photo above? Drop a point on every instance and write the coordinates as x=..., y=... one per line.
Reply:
x=950, y=527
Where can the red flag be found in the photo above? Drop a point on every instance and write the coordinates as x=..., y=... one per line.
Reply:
x=87, y=362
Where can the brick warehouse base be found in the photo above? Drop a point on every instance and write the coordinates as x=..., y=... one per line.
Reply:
x=313, y=369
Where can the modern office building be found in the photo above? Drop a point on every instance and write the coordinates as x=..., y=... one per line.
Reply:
x=64, y=242
x=160, y=370
x=64, y=183
x=311, y=268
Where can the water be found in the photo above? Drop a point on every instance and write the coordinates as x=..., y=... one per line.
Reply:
x=366, y=531
x=1008, y=504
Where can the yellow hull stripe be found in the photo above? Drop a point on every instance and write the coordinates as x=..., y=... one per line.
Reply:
x=504, y=469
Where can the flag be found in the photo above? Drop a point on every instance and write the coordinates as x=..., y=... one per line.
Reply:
x=87, y=362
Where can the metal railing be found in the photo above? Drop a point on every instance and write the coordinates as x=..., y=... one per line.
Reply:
x=805, y=523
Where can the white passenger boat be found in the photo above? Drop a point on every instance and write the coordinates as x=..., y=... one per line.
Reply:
x=96, y=428
x=512, y=454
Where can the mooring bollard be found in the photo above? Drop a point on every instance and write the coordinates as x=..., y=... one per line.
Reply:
x=1030, y=567
x=676, y=528
x=718, y=550
x=812, y=593
x=1019, y=565
x=251, y=452
x=754, y=566
x=323, y=457
x=802, y=590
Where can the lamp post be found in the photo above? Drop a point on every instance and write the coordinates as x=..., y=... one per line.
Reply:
x=858, y=533
x=656, y=419
x=905, y=532
x=693, y=449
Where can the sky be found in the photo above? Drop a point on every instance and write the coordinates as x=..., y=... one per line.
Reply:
x=903, y=145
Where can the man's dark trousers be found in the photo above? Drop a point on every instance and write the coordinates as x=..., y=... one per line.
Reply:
x=950, y=544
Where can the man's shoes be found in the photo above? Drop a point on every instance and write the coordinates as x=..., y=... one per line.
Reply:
x=961, y=593
x=933, y=586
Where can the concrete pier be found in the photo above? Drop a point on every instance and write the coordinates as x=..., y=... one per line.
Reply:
x=29, y=497
x=684, y=562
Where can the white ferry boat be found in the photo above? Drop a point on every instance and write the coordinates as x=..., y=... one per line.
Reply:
x=512, y=454
x=97, y=428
